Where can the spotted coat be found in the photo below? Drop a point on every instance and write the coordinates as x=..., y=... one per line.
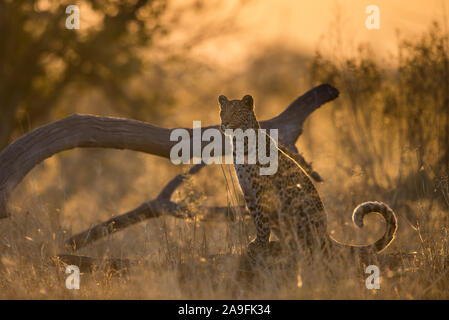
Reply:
x=287, y=202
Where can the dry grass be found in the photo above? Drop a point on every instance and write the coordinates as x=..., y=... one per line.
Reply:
x=174, y=256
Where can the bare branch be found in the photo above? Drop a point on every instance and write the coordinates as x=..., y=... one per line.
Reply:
x=168, y=190
x=147, y=210
x=291, y=120
x=152, y=209
x=75, y=131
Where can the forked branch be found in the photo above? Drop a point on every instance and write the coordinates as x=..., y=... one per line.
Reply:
x=89, y=131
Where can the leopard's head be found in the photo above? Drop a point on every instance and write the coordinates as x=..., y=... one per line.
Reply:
x=237, y=114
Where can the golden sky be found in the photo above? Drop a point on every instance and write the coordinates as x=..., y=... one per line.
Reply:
x=302, y=23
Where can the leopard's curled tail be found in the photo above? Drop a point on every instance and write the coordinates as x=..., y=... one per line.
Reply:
x=391, y=226
x=390, y=219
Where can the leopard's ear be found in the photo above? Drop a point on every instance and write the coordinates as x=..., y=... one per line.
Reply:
x=222, y=100
x=248, y=101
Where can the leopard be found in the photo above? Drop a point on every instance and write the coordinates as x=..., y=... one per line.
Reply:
x=286, y=203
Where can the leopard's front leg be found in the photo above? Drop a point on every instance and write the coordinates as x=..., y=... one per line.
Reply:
x=261, y=210
x=263, y=231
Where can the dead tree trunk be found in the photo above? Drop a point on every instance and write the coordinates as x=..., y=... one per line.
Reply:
x=89, y=131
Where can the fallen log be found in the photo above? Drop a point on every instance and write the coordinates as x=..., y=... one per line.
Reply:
x=88, y=131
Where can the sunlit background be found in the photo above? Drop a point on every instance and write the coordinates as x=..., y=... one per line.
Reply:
x=307, y=25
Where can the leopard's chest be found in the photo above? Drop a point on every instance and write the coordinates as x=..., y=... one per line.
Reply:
x=249, y=179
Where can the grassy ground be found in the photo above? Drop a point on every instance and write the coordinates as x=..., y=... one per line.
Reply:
x=174, y=256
